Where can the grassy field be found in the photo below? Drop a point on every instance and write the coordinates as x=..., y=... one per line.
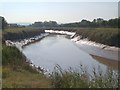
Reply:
x=108, y=36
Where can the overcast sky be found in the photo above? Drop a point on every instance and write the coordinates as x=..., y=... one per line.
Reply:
x=62, y=12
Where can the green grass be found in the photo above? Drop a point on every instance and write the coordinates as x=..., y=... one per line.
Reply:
x=81, y=79
x=23, y=79
x=108, y=36
x=16, y=73
x=19, y=30
x=20, y=33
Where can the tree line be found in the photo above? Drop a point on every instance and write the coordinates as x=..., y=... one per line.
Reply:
x=96, y=23
x=99, y=22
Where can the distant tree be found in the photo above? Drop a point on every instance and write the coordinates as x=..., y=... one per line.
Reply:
x=113, y=22
x=45, y=24
x=53, y=23
x=37, y=24
x=85, y=23
x=94, y=21
x=99, y=20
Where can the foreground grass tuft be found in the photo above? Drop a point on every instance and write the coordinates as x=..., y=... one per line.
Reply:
x=77, y=79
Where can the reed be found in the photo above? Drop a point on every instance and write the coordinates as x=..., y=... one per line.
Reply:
x=82, y=79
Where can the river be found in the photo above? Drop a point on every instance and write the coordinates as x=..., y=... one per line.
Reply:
x=57, y=49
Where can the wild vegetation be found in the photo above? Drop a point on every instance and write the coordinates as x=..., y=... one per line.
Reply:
x=107, y=36
x=99, y=30
x=20, y=33
x=17, y=72
x=72, y=78
x=96, y=23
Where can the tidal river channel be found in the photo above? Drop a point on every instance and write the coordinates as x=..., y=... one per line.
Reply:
x=57, y=49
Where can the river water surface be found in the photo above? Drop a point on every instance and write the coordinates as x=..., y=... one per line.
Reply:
x=57, y=49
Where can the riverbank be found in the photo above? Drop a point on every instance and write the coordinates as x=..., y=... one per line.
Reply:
x=74, y=38
x=79, y=40
x=98, y=49
x=112, y=64
x=58, y=79
x=17, y=73
x=106, y=36
x=17, y=34
x=61, y=32
x=22, y=43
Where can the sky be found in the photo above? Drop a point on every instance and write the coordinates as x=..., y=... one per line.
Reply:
x=59, y=0
x=62, y=12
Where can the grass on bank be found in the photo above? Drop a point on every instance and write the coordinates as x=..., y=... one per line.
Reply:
x=16, y=73
x=20, y=33
x=23, y=79
x=107, y=36
x=19, y=30
x=81, y=79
